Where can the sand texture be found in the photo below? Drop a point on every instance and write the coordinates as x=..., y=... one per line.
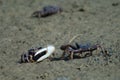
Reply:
x=98, y=21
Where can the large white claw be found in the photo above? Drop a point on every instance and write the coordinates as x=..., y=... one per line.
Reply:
x=50, y=49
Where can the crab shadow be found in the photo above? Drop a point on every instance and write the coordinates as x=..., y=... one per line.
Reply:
x=67, y=58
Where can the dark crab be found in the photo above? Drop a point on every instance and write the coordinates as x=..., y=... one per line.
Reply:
x=47, y=11
x=80, y=48
x=28, y=57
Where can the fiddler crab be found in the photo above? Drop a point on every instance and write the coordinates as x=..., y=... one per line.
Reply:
x=38, y=54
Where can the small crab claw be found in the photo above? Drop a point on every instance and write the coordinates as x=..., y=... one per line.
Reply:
x=49, y=50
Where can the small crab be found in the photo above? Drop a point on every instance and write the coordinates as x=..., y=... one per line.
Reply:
x=37, y=55
x=47, y=11
x=80, y=48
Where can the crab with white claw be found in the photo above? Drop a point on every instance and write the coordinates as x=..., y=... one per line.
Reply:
x=38, y=55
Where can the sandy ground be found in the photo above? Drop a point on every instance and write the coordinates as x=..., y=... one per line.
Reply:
x=97, y=20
